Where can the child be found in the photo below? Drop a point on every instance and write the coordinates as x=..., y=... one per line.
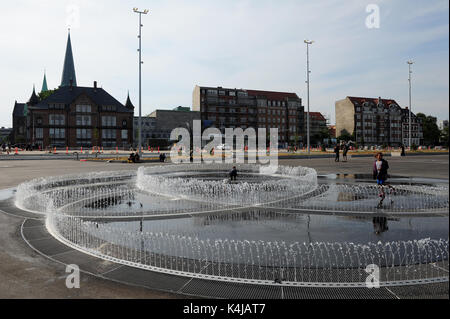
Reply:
x=380, y=173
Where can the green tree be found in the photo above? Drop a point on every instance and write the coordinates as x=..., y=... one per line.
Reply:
x=46, y=94
x=444, y=136
x=345, y=136
x=431, y=133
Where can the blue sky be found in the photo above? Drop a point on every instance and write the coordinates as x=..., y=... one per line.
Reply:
x=254, y=44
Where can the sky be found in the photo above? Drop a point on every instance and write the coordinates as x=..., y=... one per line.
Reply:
x=361, y=48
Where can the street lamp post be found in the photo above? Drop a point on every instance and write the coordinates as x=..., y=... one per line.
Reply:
x=409, y=125
x=140, y=79
x=307, y=89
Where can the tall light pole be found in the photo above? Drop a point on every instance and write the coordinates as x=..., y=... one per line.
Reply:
x=409, y=80
x=140, y=78
x=307, y=89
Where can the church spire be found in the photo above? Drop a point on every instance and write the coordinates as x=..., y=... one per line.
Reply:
x=44, y=84
x=128, y=103
x=34, y=98
x=68, y=75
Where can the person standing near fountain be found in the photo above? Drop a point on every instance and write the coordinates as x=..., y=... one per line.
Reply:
x=233, y=173
x=336, y=150
x=380, y=173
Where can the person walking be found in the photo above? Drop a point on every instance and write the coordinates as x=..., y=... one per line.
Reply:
x=344, y=152
x=380, y=173
x=403, y=150
x=336, y=151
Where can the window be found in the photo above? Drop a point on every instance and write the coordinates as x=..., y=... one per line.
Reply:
x=56, y=119
x=57, y=133
x=124, y=134
x=232, y=93
x=109, y=134
x=83, y=133
x=212, y=92
x=83, y=109
x=221, y=92
x=83, y=120
x=39, y=133
x=124, y=123
x=108, y=121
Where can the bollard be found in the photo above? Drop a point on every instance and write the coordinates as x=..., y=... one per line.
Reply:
x=81, y=150
x=158, y=149
x=16, y=151
x=117, y=150
x=54, y=150
x=67, y=150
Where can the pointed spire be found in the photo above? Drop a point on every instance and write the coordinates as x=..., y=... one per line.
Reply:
x=69, y=66
x=128, y=103
x=44, y=84
x=34, y=98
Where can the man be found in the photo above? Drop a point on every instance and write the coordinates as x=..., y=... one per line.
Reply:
x=233, y=173
x=380, y=173
x=336, y=150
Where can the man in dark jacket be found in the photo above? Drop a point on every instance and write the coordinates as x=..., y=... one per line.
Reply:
x=380, y=173
x=336, y=150
x=233, y=173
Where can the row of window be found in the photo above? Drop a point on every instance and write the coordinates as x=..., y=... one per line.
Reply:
x=82, y=120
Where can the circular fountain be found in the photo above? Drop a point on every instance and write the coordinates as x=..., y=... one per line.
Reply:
x=283, y=227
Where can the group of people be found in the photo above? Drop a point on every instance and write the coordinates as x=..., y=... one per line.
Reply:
x=344, y=147
x=134, y=157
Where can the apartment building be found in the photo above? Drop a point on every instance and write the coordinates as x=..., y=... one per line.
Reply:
x=416, y=129
x=372, y=121
x=231, y=108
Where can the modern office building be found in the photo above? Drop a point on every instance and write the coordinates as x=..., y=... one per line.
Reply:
x=72, y=115
x=231, y=108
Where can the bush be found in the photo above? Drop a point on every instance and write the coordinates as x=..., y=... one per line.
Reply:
x=414, y=147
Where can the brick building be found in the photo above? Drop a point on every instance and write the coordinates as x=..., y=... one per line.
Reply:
x=372, y=121
x=317, y=126
x=231, y=108
x=72, y=115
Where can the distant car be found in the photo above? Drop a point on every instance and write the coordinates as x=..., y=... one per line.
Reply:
x=223, y=147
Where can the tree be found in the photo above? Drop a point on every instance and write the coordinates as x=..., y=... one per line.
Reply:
x=46, y=94
x=431, y=133
x=444, y=136
x=345, y=136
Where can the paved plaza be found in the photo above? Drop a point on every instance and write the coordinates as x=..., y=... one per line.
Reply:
x=24, y=273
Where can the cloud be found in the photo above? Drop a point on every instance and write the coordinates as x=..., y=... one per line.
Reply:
x=242, y=44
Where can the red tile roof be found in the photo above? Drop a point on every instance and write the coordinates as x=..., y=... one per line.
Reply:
x=317, y=116
x=361, y=100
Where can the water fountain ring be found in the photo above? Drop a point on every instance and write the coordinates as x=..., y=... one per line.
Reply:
x=182, y=220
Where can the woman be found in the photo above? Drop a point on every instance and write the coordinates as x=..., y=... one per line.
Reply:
x=344, y=152
x=380, y=173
